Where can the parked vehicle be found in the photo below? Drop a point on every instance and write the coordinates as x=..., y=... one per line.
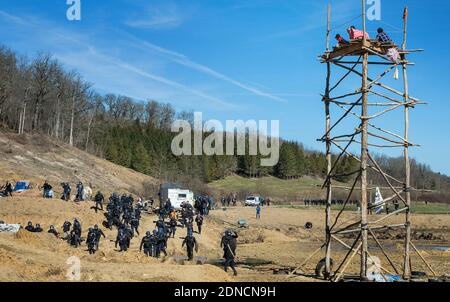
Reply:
x=254, y=201
x=176, y=194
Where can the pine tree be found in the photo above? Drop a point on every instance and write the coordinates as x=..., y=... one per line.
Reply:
x=141, y=160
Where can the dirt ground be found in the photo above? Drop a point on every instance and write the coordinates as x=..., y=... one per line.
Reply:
x=278, y=240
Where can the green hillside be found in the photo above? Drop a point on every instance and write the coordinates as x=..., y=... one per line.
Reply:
x=277, y=189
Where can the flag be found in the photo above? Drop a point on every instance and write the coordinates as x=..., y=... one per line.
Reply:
x=405, y=13
x=379, y=201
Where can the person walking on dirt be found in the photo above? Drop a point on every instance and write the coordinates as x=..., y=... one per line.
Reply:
x=66, y=229
x=172, y=227
x=98, y=233
x=8, y=189
x=66, y=191
x=134, y=223
x=161, y=243
x=80, y=189
x=122, y=240
x=148, y=242
x=190, y=243
x=47, y=188
x=91, y=241
x=258, y=212
x=189, y=226
x=74, y=239
x=77, y=227
x=222, y=201
x=99, y=199
x=199, y=221
x=229, y=244
x=396, y=205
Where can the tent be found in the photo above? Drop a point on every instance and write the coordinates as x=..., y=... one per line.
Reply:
x=22, y=185
x=9, y=228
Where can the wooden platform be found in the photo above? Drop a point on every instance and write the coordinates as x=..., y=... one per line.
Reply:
x=358, y=48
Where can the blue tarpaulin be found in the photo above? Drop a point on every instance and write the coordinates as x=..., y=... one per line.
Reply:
x=22, y=185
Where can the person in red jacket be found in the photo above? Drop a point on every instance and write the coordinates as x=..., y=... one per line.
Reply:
x=341, y=40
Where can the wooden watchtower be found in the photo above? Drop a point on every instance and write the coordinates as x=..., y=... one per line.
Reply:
x=354, y=59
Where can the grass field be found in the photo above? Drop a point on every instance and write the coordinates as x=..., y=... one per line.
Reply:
x=288, y=191
x=417, y=208
x=277, y=189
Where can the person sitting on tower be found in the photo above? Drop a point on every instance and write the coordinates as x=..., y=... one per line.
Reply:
x=341, y=41
x=392, y=53
x=382, y=36
x=356, y=34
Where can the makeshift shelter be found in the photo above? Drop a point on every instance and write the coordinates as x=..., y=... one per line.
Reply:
x=22, y=185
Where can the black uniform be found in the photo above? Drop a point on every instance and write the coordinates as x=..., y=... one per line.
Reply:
x=80, y=189
x=134, y=223
x=99, y=198
x=189, y=227
x=8, y=189
x=91, y=241
x=74, y=239
x=122, y=240
x=199, y=220
x=38, y=229
x=66, y=229
x=129, y=234
x=149, y=244
x=229, y=244
x=47, y=187
x=98, y=233
x=66, y=226
x=172, y=227
x=53, y=231
x=29, y=227
x=66, y=191
x=161, y=243
x=190, y=243
x=77, y=227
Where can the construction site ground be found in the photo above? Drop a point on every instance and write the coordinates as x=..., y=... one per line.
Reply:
x=267, y=248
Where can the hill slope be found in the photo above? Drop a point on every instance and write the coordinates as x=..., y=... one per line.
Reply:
x=37, y=158
x=278, y=190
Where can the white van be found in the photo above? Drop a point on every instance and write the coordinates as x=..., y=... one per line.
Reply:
x=178, y=196
x=253, y=201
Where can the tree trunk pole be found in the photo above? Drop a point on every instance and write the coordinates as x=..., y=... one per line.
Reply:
x=23, y=117
x=364, y=159
x=364, y=152
x=329, y=159
x=58, y=116
x=406, y=264
x=72, y=121
x=20, y=122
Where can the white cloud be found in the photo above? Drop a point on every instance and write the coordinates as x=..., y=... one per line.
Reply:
x=12, y=18
x=162, y=17
x=185, y=61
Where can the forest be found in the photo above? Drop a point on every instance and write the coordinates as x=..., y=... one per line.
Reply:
x=38, y=95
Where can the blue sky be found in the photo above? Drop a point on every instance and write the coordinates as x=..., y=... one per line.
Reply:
x=246, y=59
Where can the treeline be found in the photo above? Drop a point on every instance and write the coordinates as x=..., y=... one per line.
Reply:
x=39, y=96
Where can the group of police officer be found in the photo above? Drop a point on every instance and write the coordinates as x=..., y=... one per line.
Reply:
x=123, y=215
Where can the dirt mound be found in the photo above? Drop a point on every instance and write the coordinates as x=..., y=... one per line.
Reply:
x=37, y=158
x=397, y=235
x=24, y=235
x=252, y=235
